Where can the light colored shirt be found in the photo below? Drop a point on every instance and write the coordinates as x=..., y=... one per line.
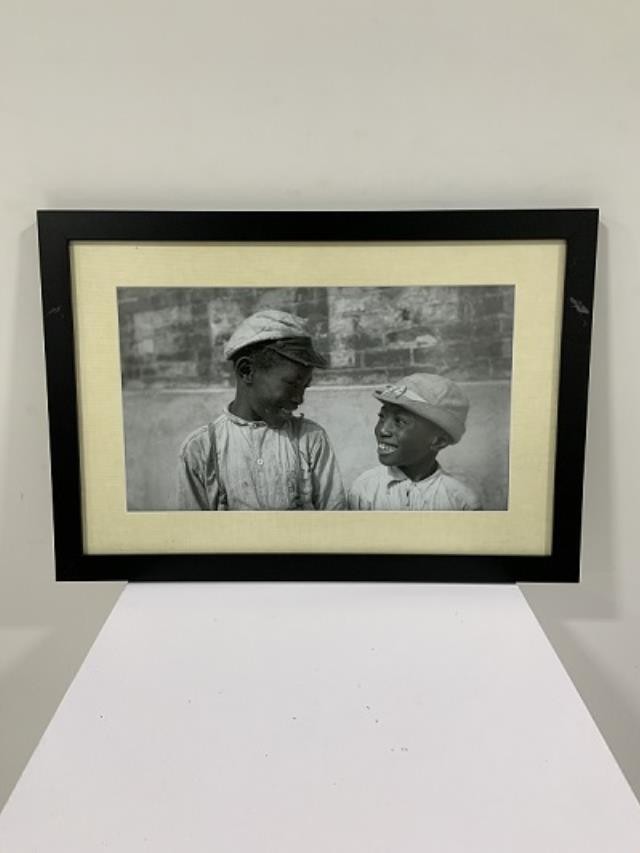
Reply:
x=388, y=488
x=259, y=467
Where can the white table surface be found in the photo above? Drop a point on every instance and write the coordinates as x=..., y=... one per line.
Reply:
x=321, y=717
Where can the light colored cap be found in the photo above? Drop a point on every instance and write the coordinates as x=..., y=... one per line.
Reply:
x=433, y=397
x=288, y=333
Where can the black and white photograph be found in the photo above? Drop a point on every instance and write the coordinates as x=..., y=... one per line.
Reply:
x=316, y=398
x=414, y=383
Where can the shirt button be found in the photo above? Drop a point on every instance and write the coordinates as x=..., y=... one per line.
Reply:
x=260, y=461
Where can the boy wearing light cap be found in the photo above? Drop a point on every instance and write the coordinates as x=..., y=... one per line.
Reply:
x=257, y=455
x=420, y=416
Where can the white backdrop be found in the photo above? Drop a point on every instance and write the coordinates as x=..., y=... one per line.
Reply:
x=289, y=105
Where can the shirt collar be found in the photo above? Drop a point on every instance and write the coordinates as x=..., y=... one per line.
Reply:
x=236, y=419
x=395, y=475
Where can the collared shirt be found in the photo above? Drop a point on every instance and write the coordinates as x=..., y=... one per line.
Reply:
x=259, y=467
x=389, y=488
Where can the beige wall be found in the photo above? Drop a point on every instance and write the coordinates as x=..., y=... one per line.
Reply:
x=283, y=105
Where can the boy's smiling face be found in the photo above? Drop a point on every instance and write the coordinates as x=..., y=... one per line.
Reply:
x=405, y=440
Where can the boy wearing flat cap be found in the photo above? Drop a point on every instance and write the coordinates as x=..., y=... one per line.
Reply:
x=419, y=417
x=257, y=455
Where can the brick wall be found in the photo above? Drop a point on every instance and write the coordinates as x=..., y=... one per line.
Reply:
x=173, y=337
x=384, y=332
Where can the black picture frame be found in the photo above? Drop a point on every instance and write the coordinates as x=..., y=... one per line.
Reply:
x=58, y=229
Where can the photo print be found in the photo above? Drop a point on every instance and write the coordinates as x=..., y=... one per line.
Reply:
x=316, y=398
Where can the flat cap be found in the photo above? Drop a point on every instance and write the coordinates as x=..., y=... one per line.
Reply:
x=284, y=333
x=432, y=397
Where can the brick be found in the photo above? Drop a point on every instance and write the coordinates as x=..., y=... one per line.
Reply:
x=479, y=292
x=387, y=358
x=169, y=316
x=199, y=295
x=482, y=369
x=424, y=360
x=457, y=329
x=489, y=305
x=360, y=341
x=464, y=373
x=495, y=349
x=217, y=369
x=188, y=341
x=346, y=358
x=140, y=297
x=457, y=351
x=501, y=368
x=485, y=326
x=507, y=348
x=128, y=295
x=272, y=302
x=179, y=370
x=127, y=307
x=161, y=297
x=145, y=347
x=412, y=334
x=126, y=333
x=506, y=325
x=144, y=325
x=447, y=312
x=486, y=348
x=316, y=320
x=135, y=384
x=164, y=344
x=396, y=373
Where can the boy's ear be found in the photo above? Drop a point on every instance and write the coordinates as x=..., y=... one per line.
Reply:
x=439, y=442
x=244, y=369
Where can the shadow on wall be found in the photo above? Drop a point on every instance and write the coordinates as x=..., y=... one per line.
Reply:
x=46, y=628
x=157, y=422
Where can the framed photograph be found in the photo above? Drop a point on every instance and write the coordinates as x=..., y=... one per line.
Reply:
x=412, y=384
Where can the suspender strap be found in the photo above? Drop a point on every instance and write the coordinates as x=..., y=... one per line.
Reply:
x=299, y=496
x=213, y=471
